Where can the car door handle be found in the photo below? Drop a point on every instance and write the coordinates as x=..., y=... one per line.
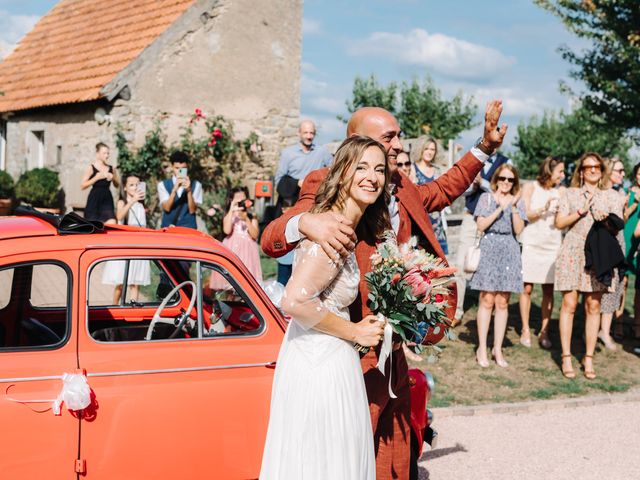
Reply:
x=271, y=365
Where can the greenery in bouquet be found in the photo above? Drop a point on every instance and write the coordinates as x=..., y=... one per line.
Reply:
x=410, y=287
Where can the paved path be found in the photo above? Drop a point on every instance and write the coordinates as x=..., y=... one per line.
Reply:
x=582, y=442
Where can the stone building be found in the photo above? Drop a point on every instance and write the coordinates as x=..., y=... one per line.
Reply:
x=89, y=65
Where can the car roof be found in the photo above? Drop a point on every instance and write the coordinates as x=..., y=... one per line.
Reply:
x=14, y=230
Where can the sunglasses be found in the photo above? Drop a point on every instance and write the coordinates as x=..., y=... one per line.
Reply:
x=591, y=167
x=404, y=164
x=506, y=179
x=619, y=170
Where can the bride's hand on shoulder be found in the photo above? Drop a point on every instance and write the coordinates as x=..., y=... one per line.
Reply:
x=368, y=332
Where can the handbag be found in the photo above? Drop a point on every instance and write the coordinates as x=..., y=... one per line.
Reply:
x=472, y=256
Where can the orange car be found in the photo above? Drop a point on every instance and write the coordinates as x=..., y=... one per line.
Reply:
x=174, y=338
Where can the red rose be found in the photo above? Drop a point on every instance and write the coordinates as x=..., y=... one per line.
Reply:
x=198, y=112
x=212, y=142
x=439, y=297
x=216, y=133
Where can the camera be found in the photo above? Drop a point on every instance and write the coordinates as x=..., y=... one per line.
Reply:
x=245, y=204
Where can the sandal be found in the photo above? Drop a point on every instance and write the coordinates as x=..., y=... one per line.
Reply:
x=607, y=341
x=588, y=374
x=567, y=372
x=525, y=338
x=543, y=340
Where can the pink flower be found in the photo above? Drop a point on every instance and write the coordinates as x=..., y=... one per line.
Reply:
x=211, y=212
x=216, y=133
x=253, y=148
x=212, y=142
x=418, y=281
x=198, y=112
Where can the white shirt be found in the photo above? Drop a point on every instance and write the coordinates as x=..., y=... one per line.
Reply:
x=196, y=191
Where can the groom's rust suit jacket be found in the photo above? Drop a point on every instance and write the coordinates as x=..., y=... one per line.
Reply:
x=390, y=419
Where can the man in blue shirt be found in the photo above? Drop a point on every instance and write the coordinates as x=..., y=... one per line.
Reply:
x=304, y=157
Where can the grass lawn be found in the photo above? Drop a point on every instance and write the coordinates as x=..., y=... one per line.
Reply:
x=533, y=373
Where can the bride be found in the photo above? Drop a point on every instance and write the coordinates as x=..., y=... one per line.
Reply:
x=320, y=426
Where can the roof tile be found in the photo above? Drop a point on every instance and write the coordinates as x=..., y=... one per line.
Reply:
x=79, y=47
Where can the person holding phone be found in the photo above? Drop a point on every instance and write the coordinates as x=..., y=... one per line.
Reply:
x=129, y=211
x=241, y=229
x=179, y=196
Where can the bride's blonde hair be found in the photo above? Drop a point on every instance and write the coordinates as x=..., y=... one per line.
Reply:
x=334, y=190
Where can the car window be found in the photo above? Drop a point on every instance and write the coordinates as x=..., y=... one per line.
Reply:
x=35, y=306
x=6, y=278
x=144, y=285
x=122, y=310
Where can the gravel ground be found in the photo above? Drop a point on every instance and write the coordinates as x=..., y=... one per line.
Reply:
x=587, y=442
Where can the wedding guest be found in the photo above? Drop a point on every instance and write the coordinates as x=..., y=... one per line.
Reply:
x=408, y=207
x=241, y=228
x=468, y=229
x=319, y=424
x=541, y=242
x=99, y=176
x=500, y=216
x=129, y=211
x=586, y=201
x=404, y=164
x=179, y=196
x=612, y=301
x=632, y=243
x=424, y=171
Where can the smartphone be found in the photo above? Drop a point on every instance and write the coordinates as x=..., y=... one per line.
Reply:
x=142, y=186
x=182, y=172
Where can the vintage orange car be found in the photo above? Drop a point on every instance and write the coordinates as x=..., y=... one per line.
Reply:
x=179, y=354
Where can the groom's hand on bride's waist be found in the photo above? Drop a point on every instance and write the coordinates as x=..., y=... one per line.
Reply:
x=331, y=230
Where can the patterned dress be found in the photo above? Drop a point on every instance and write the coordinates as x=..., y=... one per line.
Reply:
x=570, y=271
x=435, y=217
x=500, y=268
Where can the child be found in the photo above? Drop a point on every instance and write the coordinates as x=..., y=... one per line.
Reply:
x=130, y=211
x=285, y=261
x=241, y=229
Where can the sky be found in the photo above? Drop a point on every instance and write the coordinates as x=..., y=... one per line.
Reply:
x=486, y=49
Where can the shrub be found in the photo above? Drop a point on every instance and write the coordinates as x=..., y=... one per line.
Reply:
x=7, y=189
x=39, y=187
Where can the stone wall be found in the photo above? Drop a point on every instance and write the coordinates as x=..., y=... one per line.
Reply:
x=236, y=58
x=70, y=136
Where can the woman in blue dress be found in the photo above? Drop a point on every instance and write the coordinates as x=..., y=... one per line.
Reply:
x=424, y=171
x=500, y=216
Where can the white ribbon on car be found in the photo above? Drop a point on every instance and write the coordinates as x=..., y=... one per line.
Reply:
x=75, y=394
x=386, y=351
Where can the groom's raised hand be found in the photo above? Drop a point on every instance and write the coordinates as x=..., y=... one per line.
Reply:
x=331, y=230
x=493, y=136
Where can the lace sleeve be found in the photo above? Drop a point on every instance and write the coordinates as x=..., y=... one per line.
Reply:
x=313, y=272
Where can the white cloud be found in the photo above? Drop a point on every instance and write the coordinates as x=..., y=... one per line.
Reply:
x=330, y=129
x=12, y=29
x=327, y=104
x=444, y=54
x=516, y=102
x=311, y=27
x=307, y=67
x=310, y=86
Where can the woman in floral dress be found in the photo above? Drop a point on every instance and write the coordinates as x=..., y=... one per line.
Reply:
x=500, y=216
x=581, y=205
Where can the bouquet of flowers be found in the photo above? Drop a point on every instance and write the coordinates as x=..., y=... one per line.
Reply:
x=409, y=287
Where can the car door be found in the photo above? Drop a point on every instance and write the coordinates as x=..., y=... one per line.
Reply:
x=192, y=406
x=37, y=346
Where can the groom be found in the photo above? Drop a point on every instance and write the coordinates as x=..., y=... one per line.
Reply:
x=408, y=210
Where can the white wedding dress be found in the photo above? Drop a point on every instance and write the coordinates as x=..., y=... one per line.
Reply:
x=319, y=426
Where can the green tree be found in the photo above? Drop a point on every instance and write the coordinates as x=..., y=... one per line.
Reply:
x=566, y=136
x=419, y=108
x=610, y=67
x=424, y=111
